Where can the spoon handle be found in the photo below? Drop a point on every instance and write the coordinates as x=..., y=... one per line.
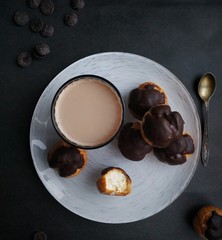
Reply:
x=205, y=143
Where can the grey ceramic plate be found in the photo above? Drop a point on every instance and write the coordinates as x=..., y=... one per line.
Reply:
x=155, y=185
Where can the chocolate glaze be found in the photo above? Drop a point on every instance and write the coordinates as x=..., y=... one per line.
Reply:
x=142, y=99
x=67, y=159
x=131, y=143
x=160, y=126
x=175, y=153
x=214, y=227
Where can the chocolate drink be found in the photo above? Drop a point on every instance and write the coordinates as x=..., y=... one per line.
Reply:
x=88, y=112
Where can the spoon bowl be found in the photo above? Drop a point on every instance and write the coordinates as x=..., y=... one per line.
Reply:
x=206, y=89
x=207, y=86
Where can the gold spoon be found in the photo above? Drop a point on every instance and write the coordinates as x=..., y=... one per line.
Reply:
x=206, y=89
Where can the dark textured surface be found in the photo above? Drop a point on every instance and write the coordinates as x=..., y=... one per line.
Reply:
x=184, y=36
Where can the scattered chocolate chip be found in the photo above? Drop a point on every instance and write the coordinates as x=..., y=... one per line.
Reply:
x=21, y=18
x=36, y=24
x=24, y=59
x=77, y=4
x=47, y=7
x=41, y=50
x=40, y=236
x=47, y=31
x=33, y=3
x=70, y=19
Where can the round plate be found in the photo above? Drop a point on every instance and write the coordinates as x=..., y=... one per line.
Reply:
x=155, y=185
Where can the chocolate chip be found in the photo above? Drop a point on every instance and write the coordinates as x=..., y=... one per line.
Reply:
x=21, y=18
x=36, y=24
x=33, y=3
x=40, y=236
x=47, y=7
x=47, y=31
x=24, y=59
x=70, y=19
x=77, y=4
x=41, y=50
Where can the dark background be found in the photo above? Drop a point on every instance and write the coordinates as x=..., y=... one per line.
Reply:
x=184, y=36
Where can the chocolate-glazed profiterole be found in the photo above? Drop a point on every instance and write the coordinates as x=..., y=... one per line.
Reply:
x=114, y=181
x=144, y=97
x=67, y=159
x=131, y=143
x=161, y=126
x=176, y=153
x=208, y=222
